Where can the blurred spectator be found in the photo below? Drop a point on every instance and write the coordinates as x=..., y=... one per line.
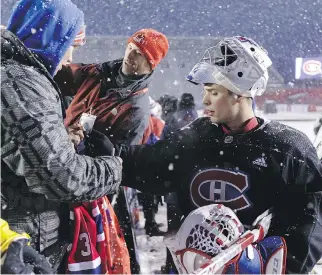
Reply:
x=186, y=112
x=169, y=106
x=150, y=203
x=116, y=93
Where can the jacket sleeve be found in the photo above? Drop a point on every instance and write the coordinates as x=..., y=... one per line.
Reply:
x=299, y=214
x=148, y=167
x=129, y=129
x=157, y=168
x=71, y=77
x=35, y=145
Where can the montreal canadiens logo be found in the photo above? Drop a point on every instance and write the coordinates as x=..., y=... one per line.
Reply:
x=220, y=186
x=312, y=67
x=139, y=38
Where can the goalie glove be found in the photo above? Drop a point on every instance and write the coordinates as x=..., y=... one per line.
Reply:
x=206, y=232
x=215, y=231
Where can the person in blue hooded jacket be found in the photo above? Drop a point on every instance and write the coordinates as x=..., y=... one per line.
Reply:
x=40, y=168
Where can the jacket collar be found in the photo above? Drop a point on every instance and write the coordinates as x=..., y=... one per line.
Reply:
x=120, y=83
x=250, y=125
x=12, y=48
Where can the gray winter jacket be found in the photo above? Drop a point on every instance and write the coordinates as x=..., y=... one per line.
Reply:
x=39, y=166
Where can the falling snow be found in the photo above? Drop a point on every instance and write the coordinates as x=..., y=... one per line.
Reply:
x=286, y=28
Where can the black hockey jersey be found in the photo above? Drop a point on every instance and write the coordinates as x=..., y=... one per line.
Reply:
x=272, y=165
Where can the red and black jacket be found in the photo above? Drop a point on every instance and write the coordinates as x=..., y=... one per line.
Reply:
x=122, y=110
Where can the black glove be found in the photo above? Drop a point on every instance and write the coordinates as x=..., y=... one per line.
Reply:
x=97, y=144
x=23, y=259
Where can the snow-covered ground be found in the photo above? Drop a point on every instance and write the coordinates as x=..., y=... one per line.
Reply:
x=152, y=250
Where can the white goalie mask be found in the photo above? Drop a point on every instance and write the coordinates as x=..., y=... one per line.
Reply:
x=205, y=232
x=237, y=63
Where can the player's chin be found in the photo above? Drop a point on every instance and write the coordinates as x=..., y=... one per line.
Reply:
x=215, y=119
x=130, y=71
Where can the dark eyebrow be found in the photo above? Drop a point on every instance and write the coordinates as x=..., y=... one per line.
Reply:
x=210, y=88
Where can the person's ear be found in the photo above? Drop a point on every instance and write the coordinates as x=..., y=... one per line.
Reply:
x=240, y=99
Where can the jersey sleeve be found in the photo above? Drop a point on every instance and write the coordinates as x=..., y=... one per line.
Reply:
x=299, y=213
x=156, y=168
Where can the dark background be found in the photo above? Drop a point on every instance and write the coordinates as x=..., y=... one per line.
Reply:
x=287, y=29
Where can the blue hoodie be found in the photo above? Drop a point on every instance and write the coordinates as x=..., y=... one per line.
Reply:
x=46, y=27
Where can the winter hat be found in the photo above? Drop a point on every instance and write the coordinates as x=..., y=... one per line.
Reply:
x=46, y=28
x=187, y=101
x=153, y=44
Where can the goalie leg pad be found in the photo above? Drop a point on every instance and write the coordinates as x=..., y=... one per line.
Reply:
x=273, y=251
x=267, y=257
x=247, y=262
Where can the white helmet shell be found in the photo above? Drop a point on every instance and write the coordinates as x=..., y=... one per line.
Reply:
x=237, y=63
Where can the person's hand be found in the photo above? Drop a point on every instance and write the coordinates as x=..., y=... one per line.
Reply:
x=23, y=259
x=97, y=144
x=76, y=133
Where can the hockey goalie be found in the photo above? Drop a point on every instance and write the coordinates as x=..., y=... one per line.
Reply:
x=212, y=240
